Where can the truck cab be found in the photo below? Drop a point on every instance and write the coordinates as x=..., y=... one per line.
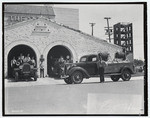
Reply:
x=88, y=67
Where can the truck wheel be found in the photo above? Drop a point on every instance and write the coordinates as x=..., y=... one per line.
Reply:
x=77, y=77
x=115, y=78
x=68, y=80
x=16, y=76
x=26, y=78
x=126, y=75
x=35, y=76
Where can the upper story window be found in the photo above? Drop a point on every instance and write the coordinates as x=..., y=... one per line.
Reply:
x=129, y=28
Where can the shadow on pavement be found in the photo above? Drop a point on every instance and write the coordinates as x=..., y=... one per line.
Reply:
x=84, y=83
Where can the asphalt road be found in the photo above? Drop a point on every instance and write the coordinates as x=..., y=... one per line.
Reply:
x=48, y=96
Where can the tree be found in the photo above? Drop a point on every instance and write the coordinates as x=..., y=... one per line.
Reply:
x=138, y=62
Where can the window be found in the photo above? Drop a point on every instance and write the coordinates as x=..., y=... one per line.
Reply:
x=122, y=30
x=92, y=58
x=83, y=59
x=129, y=28
x=116, y=42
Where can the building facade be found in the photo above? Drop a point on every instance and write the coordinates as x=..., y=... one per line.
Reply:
x=45, y=37
x=123, y=36
x=15, y=13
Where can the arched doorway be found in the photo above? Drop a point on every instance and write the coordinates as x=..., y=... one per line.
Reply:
x=16, y=51
x=53, y=56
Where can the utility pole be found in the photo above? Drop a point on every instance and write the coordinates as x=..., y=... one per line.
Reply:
x=92, y=25
x=107, y=18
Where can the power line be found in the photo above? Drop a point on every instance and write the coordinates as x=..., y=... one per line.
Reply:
x=92, y=25
x=108, y=28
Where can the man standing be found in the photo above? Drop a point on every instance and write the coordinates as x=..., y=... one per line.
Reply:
x=41, y=70
x=61, y=65
x=42, y=66
x=101, y=67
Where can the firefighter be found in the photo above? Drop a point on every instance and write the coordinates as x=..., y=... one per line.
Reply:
x=33, y=62
x=13, y=62
x=68, y=60
x=61, y=62
x=18, y=62
x=27, y=59
x=101, y=68
x=62, y=67
x=13, y=65
x=42, y=70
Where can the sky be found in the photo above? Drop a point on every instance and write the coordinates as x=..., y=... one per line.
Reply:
x=95, y=13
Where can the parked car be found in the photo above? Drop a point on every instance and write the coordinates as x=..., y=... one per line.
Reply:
x=87, y=68
x=25, y=71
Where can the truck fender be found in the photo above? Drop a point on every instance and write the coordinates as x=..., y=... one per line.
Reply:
x=126, y=68
x=84, y=72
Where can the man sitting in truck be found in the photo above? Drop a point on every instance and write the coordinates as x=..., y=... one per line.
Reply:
x=62, y=67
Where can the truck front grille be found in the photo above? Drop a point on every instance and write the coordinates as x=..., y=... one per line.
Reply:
x=26, y=68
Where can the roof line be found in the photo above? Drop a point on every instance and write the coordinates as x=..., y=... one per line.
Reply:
x=60, y=24
x=31, y=13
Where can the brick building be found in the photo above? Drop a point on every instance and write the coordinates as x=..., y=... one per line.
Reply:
x=44, y=36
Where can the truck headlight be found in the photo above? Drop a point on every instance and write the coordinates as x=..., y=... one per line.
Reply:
x=70, y=66
x=20, y=67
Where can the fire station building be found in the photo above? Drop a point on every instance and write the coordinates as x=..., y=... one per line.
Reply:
x=49, y=32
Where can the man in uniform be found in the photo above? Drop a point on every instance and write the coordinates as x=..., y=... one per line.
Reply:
x=33, y=62
x=21, y=58
x=13, y=65
x=13, y=62
x=18, y=62
x=62, y=67
x=101, y=67
x=68, y=60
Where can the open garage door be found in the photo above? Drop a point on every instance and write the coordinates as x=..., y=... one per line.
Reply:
x=53, y=56
x=16, y=51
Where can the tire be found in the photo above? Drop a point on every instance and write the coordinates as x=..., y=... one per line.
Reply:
x=68, y=80
x=35, y=76
x=115, y=78
x=126, y=75
x=27, y=78
x=16, y=76
x=77, y=77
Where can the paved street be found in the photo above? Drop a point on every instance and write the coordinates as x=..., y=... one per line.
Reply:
x=49, y=96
